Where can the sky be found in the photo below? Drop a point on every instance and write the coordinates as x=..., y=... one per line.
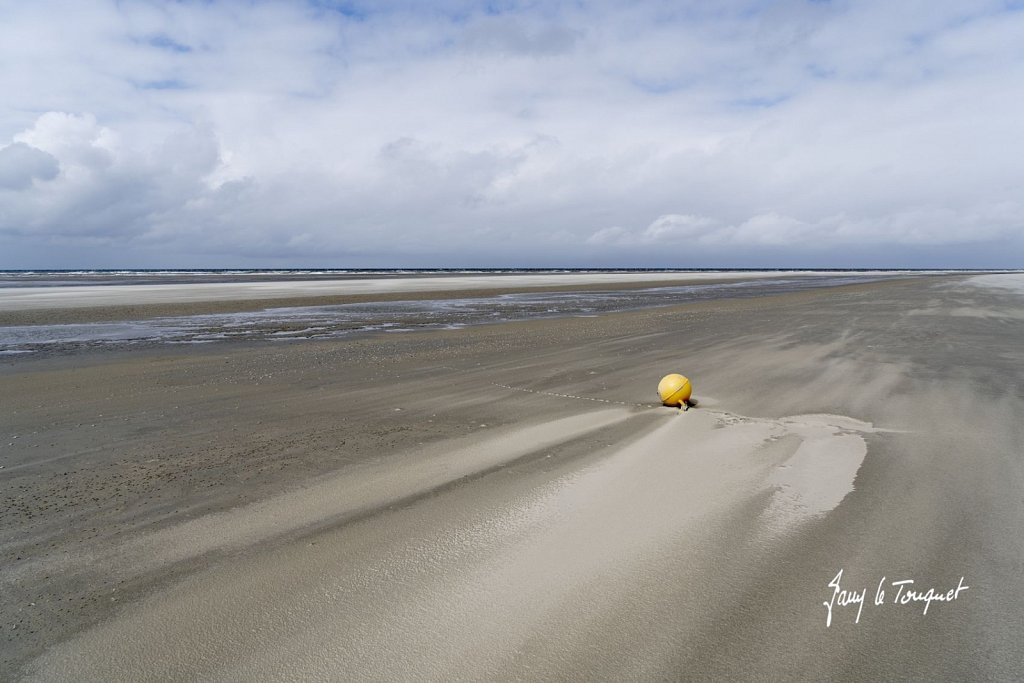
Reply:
x=493, y=134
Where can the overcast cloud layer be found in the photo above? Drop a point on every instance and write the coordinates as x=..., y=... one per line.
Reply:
x=198, y=134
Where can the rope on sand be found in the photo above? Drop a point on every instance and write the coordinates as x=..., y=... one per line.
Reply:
x=581, y=398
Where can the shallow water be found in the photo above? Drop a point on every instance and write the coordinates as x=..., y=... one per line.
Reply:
x=327, y=322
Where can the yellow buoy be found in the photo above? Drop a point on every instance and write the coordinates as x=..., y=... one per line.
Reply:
x=674, y=390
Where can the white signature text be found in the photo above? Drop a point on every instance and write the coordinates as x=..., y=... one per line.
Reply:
x=905, y=592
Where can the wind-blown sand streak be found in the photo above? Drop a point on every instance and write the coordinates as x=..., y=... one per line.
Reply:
x=486, y=586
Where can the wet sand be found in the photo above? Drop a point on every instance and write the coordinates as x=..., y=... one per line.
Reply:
x=88, y=296
x=83, y=303
x=508, y=502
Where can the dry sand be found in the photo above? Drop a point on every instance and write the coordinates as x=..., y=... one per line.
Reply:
x=507, y=502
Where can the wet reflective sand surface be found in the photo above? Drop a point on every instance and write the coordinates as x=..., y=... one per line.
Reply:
x=299, y=323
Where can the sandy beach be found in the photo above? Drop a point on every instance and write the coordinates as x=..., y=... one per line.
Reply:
x=510, y=502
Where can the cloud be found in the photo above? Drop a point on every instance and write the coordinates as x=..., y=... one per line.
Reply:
x=934, y=226
x=21, y=164
x=512, y=35
x=562, y=133
x=77, y=140
x=108, y=190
